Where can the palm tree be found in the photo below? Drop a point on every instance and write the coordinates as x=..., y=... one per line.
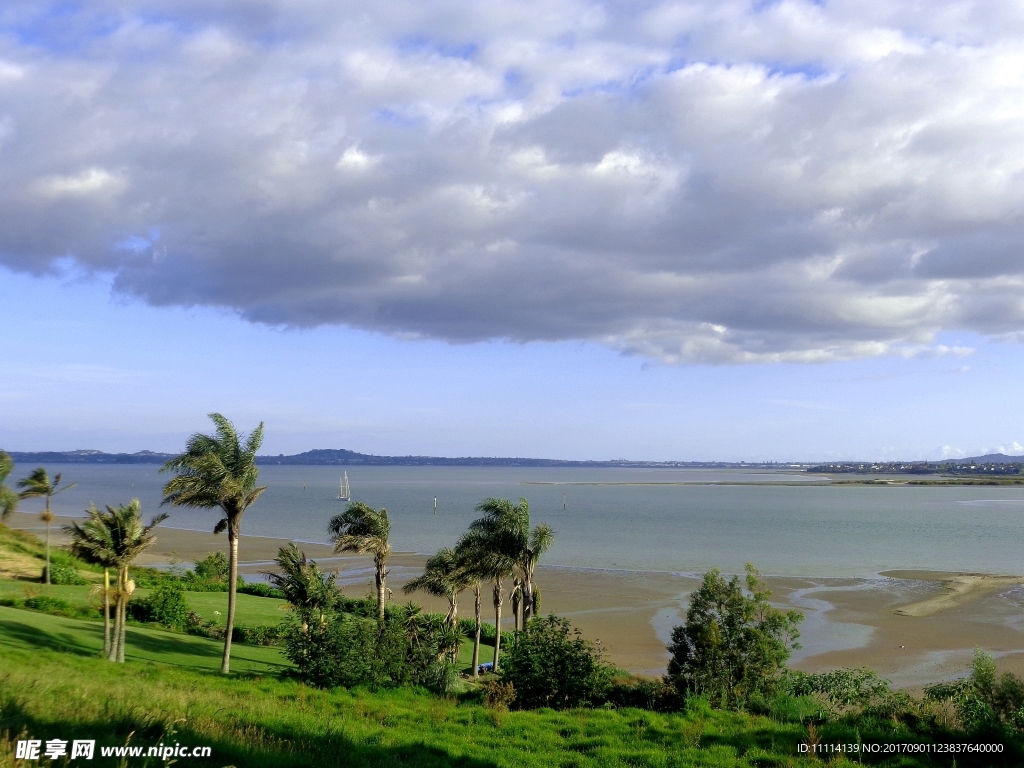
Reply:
x=540, y=541
x=305, y=586
x=496, y=539
x=93, y=541
x=472, y=563
x=444, y=577
x=364, y=530
x=38, y=484
x=8, y=498
x=219, y=472
x=130, y=538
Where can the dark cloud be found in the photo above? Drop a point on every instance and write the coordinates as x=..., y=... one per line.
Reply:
x=690, y=181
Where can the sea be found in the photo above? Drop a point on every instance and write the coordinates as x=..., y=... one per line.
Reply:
x=676, y=520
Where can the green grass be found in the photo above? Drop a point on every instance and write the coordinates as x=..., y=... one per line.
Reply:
x=250, y=611
x=22, y=630
x=52, y=685
x=256, y=720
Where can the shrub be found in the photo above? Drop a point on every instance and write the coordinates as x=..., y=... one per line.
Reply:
x=551, y=665
x=259, y=589
x=734, y=645
x=655, y=695
x=982, y=700
x=264, y=634
x=339, y=649
x=213, y=567
x=844, y=686
x=63, y=573
x=57, y=607
x=498, y=695
x=166, y=605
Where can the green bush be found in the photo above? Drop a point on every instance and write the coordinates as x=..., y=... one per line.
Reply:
x=844, y=686
x=58, y=607
x=259, y=589
x=982, y=700
x=734, y=644
x=213, y=567
x=63, y=573
x=654, y=695
x=551, y=665
x=344, y=650
x=166, y=605
x=264, y=634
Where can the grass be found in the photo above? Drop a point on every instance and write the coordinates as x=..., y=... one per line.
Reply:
x=22, y=630
x=52, y=685
x=51, y=688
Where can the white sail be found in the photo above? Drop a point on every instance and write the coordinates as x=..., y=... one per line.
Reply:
x=344, y=492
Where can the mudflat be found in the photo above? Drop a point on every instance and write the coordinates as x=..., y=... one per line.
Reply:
x=913, y=627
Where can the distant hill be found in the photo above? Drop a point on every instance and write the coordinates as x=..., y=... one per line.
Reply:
x=88, y=457
x=343, y=457
x=990, y=458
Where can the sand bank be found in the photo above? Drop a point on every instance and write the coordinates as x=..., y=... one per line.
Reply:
x=913, y=627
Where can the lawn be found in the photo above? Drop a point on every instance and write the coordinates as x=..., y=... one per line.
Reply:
x=51, y=687
x=27, y=630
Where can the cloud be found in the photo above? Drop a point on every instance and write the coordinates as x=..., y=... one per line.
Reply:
x=716, y=182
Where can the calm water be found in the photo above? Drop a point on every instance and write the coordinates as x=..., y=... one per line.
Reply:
x=785, y=530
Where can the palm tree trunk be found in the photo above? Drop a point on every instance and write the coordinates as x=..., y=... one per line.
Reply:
x=48, y=519
x=527, y=598
x=453, y=610
x=225, y=664
x=499, y=596
x=124, y=617
x=382, y=576
x=476, y=638
x=106, y=612
x=112, y=656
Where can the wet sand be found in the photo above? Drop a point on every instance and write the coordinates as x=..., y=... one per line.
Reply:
x=913, y=627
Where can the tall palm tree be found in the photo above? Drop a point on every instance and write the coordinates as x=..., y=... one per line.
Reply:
x=472, y=562
x=497, y=539
x=130, y=539
x=38, y=485
x=364, y=530
x=444, y=577
x=8, y=498
x=540, y=541
x=93, y=541
x=219, y=472
x=308, y=589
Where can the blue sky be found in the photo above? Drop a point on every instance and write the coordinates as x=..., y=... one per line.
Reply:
x=83, y=369
x=673, y=229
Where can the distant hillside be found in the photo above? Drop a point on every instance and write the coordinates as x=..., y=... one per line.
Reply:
x=88, y=457
x=990, y=458
x=342, y=457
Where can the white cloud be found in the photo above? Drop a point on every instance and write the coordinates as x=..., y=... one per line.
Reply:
x=691, y=181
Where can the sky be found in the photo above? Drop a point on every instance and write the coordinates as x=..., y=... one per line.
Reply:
x=567, y=229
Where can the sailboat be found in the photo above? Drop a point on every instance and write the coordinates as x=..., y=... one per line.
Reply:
x=344, y=492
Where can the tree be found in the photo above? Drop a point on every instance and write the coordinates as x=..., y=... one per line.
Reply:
x=8, y=498
x=444, y=576
x=472, y=560
x=219, y=472
x=309, y=590
x=551, y=665
x=497, y=540
x=540, y=541
x=364, y=530
x=38, y=485
x=93, y=541
x=114, y=539
x=734, y=644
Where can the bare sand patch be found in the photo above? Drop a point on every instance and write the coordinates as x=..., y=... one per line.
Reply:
x=957, y=589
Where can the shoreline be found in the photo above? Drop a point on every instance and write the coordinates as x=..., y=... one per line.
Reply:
x=913, y=627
